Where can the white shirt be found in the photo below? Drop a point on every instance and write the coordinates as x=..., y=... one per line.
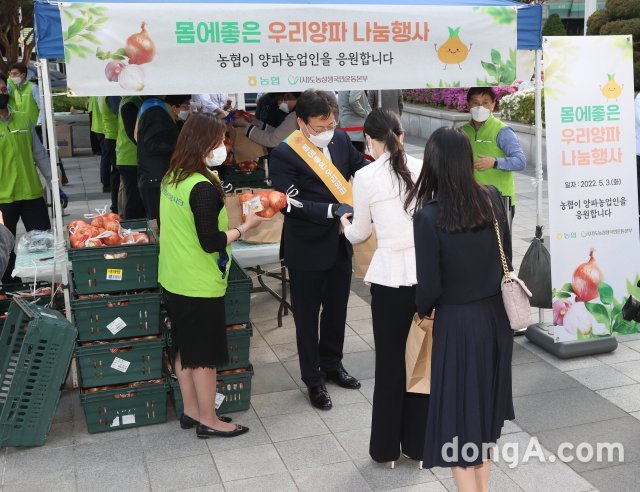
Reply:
x=377, y=199
x=209, y=103
x=638, y=124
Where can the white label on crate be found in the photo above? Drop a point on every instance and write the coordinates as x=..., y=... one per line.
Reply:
x=114, y=274
x=128, y=419
x=219, y=399
x=116, y=325
x=116, y=422
x=120, y=364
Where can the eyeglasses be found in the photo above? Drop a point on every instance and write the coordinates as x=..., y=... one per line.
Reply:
x=324, y=128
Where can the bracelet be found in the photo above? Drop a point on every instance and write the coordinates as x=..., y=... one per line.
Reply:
x=240, y=231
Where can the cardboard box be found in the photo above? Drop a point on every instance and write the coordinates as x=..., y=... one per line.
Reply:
x=64, y=138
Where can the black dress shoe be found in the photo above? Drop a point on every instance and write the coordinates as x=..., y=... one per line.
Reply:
x=319, y=397
x=204, y=432
x=342, y=378
x=187, y=422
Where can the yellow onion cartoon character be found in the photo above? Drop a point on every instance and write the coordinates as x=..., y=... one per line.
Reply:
x=611, y=90
x=453, y=51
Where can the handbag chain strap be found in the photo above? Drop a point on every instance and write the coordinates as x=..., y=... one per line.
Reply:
x=503, y=258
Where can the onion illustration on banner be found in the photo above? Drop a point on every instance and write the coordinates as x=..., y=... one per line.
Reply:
x=453, y=51
x=611, y=89
x=139, y=49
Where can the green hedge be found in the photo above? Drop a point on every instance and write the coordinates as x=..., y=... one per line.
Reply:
x=62, y=104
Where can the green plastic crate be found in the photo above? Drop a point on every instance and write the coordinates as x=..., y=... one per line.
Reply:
x=36, y=346
x=114, y=408
x=237, y=300
x=120, y=362
x=238, y=342
x=121, y=268
x=234, y=385
x=243, y=179
x=117, y=316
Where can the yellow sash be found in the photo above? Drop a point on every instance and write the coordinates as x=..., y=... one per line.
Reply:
x=323, y=167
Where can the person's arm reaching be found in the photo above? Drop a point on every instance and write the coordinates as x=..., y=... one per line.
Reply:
x=360, y=229
x=270, y=136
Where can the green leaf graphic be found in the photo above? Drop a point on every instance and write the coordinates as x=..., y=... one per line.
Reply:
x=600, y=313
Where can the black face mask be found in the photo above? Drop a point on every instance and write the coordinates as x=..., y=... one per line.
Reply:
x=4, y=101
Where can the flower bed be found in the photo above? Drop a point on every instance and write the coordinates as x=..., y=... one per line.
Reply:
x=452, y=98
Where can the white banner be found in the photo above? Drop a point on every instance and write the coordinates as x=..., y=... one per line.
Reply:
x=203, y=48
x=593, y=196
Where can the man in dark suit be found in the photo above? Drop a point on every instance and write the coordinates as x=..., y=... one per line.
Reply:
x=314, y=249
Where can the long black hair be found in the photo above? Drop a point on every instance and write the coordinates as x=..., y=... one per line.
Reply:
x=384, y=125
x=447, y=174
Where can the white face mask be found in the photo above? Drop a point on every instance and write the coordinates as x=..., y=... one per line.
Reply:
x=284, y=107
x=369, y=148
x=480, y=113
x=17, y=80
x=183, y=115
x=321, y=140
x=216, y=157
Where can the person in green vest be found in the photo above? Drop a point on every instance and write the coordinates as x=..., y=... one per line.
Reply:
x=127, y=156
x=109, y=174
x=195, y=257
x=21, y=192
x=95, y=125
x=24, y=97
x=496, y=149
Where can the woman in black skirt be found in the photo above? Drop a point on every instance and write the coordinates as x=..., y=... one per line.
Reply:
x=193, y=269
x=459, y=274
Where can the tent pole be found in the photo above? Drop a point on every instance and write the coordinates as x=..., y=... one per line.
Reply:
x=539, y=171
x=59, y=248
x=43, y=121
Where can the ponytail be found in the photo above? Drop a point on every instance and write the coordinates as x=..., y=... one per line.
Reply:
x=384, y=125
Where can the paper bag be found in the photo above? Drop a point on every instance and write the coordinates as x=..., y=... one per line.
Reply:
x=244, y=149
x=363, y=254
x=417, y=358
x=269, y=231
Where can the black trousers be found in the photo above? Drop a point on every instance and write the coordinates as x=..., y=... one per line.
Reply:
x=34, y=215
x=310, y=291
x=134, y=209
x=150, y=196
x=399, y=418
x=95, y=138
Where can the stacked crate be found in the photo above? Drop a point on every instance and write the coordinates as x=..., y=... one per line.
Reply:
x=116, y=308
x=234, y=378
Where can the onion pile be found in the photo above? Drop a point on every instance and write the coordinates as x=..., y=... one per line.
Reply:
x=270, y=201
x=104, y=230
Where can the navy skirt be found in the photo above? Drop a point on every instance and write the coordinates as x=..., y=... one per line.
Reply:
x=471, y=393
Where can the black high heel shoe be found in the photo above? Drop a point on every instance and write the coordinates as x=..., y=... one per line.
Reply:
x=187, y=422
x=204, y=432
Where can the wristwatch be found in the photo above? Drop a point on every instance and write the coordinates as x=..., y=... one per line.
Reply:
x=495, y=163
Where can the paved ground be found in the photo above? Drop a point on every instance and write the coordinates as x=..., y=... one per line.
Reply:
x=291, y=446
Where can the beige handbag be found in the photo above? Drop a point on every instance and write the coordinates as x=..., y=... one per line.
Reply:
x=515, y=294
x=417, y=357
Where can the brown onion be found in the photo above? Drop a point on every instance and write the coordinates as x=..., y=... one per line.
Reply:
x=140, y=48
x=586, y=279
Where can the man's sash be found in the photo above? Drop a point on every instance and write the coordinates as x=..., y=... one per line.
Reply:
x=333, y=179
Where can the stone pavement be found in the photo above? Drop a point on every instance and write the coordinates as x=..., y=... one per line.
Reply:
x=291, y=446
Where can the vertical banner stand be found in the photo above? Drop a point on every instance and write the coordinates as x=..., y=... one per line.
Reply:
x=58, y=228
x=541, y=333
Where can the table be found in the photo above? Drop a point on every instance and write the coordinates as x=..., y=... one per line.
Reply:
x=251, y=257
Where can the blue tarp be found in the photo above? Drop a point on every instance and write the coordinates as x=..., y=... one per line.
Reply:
x=49, y=29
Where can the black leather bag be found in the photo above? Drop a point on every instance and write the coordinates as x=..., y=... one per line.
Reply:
x=535, y=271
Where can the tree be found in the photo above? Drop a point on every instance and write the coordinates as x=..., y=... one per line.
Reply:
x=10, y=29
x=619, y=17
x=553, y=26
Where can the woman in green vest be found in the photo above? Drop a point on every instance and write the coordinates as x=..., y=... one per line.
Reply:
x=194, y=263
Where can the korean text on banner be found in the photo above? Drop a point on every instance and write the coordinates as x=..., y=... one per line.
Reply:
x=593, y=198
x=268, y=47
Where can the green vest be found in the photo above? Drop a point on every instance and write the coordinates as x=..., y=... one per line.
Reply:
x=184, y=267
x=109, y=120
x=484, y=142
x=22, y=101
x=126, y=150
x=96, y=115
x=19, y=178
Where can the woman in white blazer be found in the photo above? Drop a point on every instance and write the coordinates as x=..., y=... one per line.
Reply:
x=380, y=198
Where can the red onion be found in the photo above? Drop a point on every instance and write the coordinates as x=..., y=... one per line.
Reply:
x=140, y=48
x=586, y=279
